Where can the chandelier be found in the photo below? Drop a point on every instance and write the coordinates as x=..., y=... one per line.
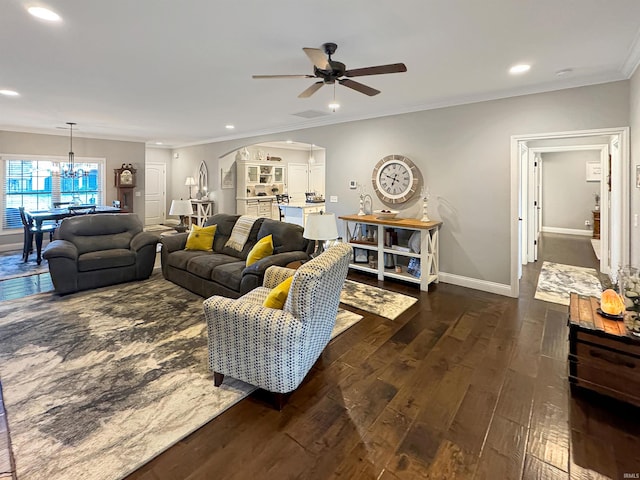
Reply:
x=69, y=170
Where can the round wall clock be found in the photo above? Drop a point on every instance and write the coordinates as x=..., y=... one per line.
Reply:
x=395, y=179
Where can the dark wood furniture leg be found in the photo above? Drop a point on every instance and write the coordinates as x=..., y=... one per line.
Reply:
x=279, y=400
x=38, y=236
x=218, y=378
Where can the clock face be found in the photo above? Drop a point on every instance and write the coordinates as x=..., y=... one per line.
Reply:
x=395, y=179
x=126, y=177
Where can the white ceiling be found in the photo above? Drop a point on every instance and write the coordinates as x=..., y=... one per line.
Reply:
x=179, y=71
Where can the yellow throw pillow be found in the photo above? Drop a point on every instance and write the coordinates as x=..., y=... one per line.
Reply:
x=262, y=249
x=278, y=295
x=201, y=238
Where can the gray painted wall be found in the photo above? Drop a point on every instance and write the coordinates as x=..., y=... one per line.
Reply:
x=464, y=154
x=116, y=153
x=567, y=198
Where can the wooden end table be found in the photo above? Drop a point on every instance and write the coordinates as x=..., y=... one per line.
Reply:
x=603, y=355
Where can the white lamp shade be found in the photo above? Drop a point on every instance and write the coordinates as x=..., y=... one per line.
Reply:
x=190, y=182
x=321, y=226
x=180, y=207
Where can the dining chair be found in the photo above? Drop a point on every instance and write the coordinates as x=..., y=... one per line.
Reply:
x=282, y=198
x=31, y=231
x=82, y=209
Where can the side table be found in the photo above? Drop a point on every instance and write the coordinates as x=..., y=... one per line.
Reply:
x=603, y=355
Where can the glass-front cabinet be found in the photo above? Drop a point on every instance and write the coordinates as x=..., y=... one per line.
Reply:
x=257, y=185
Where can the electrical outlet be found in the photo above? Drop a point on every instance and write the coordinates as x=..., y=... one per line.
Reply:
x=138, y=194
x=333, y=199
x=587, y=223
x=353, y=184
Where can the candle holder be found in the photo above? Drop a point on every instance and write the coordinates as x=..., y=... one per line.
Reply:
x=425, y=201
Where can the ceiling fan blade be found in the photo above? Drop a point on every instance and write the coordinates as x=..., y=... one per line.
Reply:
x=378, y=70
x=318, y=58
x=311, y=90
x=283, y=76
x=359, y=87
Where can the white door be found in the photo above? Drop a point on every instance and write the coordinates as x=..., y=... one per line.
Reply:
x=154, y=197
x=298, y=181
x=537, y=202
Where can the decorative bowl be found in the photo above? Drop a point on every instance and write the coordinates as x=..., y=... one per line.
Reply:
x=385, y=214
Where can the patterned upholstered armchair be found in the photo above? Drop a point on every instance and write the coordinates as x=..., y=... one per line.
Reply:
x=275, y=349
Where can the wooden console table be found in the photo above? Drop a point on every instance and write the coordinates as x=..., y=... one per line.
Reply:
x=603, y=355
x=202, y=209
x=429, y=247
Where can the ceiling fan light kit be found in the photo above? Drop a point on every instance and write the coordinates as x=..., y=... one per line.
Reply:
x=330, y=71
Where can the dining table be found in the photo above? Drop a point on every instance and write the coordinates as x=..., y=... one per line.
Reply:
x=57, y=214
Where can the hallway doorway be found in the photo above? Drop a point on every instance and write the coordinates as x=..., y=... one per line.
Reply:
x=614, y=196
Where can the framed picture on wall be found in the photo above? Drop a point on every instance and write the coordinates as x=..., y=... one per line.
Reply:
x=226, y=178
x=594, y=172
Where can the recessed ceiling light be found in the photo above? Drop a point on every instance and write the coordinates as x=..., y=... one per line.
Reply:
x=44, y=14
x=564, y=71
x=9, y=93
x=521, y=68
x=229, y=127
x=158, y=143
x=289, y=141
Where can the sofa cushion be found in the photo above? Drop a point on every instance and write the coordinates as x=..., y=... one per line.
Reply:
x=251, y=241
x=99, y=232
x=225, y=223
x=113, y=258
x=287, y=237
x=229, y=274
x=201, y=238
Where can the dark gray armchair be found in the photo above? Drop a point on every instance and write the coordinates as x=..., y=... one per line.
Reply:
x=90, y=251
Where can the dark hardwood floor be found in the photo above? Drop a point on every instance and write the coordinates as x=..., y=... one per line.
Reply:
x=464, y=385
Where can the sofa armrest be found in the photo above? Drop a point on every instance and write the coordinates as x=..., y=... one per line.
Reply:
x=61, y=249
x=143, y=239
x=275, y=275
x=172, y=243
x=280, y=259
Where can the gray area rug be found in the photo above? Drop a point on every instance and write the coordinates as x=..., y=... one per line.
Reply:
x=97, y=383
x=12, y=266
x=376, y=300
x=557, y=281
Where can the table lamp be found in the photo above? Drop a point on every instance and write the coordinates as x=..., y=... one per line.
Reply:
x=320, y=227
x=182, y=208
x=190, y=182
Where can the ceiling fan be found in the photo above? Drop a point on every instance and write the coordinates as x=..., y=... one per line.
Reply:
x=329, y=71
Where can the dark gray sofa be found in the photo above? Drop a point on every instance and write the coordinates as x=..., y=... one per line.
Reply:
x=90, y=251
x=223, y=271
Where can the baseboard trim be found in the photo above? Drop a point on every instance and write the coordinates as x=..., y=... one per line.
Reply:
x=476, y=284
x=568, y=231
x=12, y=246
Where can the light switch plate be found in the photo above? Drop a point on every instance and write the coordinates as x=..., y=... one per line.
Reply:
x=353, y=184
x=333, y=199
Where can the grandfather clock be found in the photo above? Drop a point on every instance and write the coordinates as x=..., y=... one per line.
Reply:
x=125, y=182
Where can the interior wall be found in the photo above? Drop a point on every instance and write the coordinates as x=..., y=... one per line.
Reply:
x=567, y=198
x=463, y=152
x=115, y=152
x=634, y=123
